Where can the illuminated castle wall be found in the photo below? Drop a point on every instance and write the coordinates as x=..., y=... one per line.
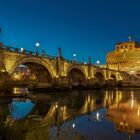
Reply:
x=125, y=57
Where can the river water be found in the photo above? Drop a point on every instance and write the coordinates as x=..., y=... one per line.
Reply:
x=77, y=115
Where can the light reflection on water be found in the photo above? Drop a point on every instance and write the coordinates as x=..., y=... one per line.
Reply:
x=92, y=115
x=20, y=90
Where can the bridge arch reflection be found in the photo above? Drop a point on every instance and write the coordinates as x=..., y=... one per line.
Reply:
x=122, y=109
x=20, y=108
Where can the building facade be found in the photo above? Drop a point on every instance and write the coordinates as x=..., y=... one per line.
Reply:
x=125, y=57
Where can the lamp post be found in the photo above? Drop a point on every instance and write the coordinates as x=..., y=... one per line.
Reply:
x=37, y=44
x=130, y=38
x=74, y=55
x=21, y=49
x=97, y=62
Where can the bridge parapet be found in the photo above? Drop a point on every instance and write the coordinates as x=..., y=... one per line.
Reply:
x=26, y=52
x=58, y=67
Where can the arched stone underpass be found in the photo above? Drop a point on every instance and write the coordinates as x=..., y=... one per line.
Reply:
x=76, y=78
x=113, y=79
x=33, y=74
x=99, y=78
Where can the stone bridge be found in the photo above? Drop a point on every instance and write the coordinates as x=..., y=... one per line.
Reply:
x=51, y=71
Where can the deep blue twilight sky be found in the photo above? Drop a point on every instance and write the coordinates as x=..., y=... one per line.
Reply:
x=87, y=27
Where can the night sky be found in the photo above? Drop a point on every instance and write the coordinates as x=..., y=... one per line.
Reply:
x=85, y=27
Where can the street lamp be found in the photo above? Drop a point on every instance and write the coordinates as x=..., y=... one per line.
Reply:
x=21, y=49
x=98, y=62
x=74, y=56
x=37, y=44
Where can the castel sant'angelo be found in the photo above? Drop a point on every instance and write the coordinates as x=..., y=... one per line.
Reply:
x=125, y=57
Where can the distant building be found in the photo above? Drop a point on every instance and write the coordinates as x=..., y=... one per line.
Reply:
x=125, y=57
x=23, y=73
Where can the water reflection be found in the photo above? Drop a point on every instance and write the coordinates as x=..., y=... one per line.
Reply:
x=19, y=108
x=20, y=90
x=86, y=114
x=125, y=114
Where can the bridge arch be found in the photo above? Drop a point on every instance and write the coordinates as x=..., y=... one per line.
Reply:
x=76, y=76
x=114, y=78
x=38, y=65
x=99, y=77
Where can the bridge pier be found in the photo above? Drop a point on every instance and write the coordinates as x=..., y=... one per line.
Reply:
x=5, y=82
x=61, y=83
x=90, y=82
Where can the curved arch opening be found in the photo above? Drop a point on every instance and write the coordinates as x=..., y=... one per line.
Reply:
x=99, y=77
x=31, y=73
x=76, y=78
x=114, y=79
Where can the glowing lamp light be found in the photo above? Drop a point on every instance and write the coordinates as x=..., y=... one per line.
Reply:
x=98, y=62
x=37, y=44
x=73, y=125
x=21, y=49
x=74, y=54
